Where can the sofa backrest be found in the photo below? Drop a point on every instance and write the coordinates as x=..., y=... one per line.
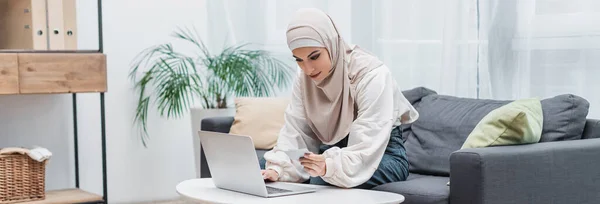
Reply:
x=445, y=122
x=217, y=124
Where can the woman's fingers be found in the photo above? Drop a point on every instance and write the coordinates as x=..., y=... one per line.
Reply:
x=310, y=171
x=313, y=169
x=304, y=160
x=308, y=161
x=272, y=177
x=314, y=164
x=314, y=157
x=269, y=175
x=311, y=165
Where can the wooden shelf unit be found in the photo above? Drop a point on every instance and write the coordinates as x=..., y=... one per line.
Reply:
x=59, y=73
x=68, y=196
x=31, y=73
x=39, y=55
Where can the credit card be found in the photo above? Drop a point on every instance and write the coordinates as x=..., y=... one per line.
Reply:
x=296, y=153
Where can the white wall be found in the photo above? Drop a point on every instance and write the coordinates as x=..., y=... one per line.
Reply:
x=135, y=173
x=87, y=25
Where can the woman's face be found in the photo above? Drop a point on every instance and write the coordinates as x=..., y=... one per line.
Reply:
x=314, y=61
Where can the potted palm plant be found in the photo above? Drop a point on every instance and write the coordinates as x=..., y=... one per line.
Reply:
x=173, y=81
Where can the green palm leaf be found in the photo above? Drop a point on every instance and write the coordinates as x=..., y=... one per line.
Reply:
x=172, y=81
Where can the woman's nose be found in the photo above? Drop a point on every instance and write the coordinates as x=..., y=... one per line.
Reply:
x=308, y=70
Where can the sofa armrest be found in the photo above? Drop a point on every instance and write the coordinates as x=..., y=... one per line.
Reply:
x=549, y=172
x=217, y=124
x=592, y=129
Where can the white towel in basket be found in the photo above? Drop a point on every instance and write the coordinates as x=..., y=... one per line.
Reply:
x=39, y=154
x=36, y=153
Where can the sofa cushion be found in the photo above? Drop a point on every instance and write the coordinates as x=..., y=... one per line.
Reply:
x=592, y=129
x=420, y=189
x=250, y=119
x=564, y=117
x=519, y=122
x=415, y=95
x=443, y=125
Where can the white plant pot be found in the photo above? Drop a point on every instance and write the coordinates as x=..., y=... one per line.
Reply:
x=197, y=114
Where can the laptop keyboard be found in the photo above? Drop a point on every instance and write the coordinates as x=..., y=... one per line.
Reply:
x=272, y=190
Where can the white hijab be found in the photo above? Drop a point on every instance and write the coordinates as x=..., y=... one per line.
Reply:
x=329, y=104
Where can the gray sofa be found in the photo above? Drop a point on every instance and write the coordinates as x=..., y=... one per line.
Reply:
x=562, y=168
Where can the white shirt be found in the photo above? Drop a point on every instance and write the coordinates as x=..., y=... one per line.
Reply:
x=381, y=106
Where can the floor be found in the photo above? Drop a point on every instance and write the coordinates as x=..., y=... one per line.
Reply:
x=181, y=201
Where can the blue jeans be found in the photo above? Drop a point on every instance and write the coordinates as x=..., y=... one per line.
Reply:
x=392, y=168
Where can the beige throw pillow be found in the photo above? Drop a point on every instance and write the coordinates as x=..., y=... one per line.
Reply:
x=260, y=118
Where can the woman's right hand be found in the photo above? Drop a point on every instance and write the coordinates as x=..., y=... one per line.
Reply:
x=269, y=175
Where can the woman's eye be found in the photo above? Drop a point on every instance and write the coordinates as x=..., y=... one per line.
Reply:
x=315, y=57
x=298, y=60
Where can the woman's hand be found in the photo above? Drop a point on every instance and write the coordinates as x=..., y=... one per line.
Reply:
x=314, y=164
x=269, y=175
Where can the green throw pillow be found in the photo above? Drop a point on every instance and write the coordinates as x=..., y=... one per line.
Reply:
x=519, y=122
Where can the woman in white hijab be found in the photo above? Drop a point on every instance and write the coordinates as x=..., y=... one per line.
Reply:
x=346, y=110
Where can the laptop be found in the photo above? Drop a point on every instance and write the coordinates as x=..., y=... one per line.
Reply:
x=234, y=166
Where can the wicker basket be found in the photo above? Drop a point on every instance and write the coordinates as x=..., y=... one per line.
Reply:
x=21, y=178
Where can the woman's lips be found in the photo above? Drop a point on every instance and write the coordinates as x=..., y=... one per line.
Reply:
x=315, y=75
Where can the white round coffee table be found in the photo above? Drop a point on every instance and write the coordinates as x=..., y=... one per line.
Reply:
x=204, y=191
